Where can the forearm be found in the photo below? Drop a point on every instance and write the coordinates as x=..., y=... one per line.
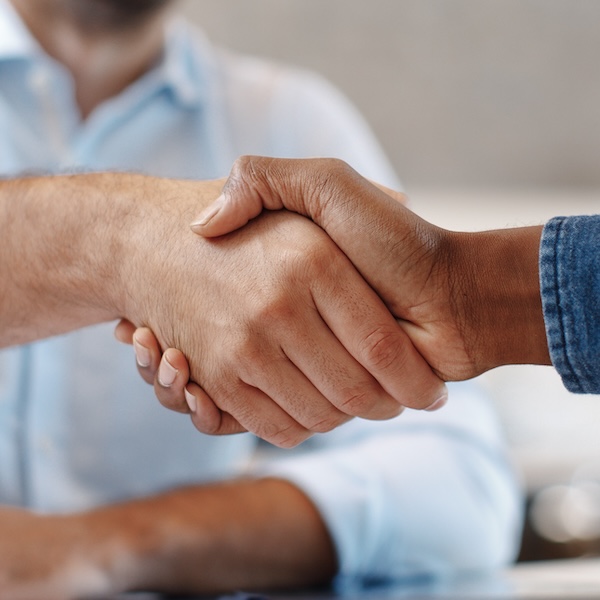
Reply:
x=261, y=534
x=78, y=250
x=62, y=252
x=421, y=494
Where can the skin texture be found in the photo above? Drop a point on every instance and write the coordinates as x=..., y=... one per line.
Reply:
x=468, y=302
x=274, y=347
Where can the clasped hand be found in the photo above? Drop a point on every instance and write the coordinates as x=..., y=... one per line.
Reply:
x=294, y=340
x=283, y=337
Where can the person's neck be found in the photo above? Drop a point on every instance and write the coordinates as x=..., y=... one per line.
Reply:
x=102, y=62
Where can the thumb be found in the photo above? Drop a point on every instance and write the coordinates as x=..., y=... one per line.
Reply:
x=249, y=188
x=227, y=213
x=316, y=188
x=368, y=222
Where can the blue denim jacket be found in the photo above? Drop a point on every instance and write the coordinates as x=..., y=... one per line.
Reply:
x=570, y=285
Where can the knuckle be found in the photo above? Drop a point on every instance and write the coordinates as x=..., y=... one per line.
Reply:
x=422, y=399
x=258, y=345
x=243, y=165
x=287, y=437
x=243, y=351
x=337, y=166
x=256, y=364
x=288, y=442
x=279, y=308
x=178, y=406
x=384, y=349
x=372, y=405
x=248, y=354
x=317, y=262
x=248, y=172
x=208, y=427
x=169, y=400
x=388, y=410
x=329, y=185
x=331, y=169
x=328, y=423
x=239, y=175
x=358, y=404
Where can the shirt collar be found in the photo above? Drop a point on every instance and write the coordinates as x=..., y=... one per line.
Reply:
x=186, y=62
x=182, y=68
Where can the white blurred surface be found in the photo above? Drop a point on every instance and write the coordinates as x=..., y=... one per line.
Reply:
x=565, y=579
x=472, y=209
x=501, y=92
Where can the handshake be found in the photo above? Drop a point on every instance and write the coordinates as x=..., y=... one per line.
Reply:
x=359, y=308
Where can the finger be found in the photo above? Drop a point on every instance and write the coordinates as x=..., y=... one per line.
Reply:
x=226, y=214
x=333, y=385
x=187, y=397
x=206, y=415
x=170, y=379
x=363, y=325
x=256, y=412
x=244, y=197
x=124, y=331
x=175, y=392
x=296, y=393
x=305, y=186
x=299, y=397
x=147, y=353
x=240, y=203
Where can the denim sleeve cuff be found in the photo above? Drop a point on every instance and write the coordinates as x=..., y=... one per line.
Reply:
x=570, y=288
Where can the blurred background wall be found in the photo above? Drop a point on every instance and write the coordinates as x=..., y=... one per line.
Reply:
x=460, y=92
x=490, y=112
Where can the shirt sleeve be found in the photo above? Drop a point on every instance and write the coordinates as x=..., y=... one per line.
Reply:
x=421, y=495
x=570, y=287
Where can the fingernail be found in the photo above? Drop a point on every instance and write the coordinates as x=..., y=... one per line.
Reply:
x=190, y=399
x=142, y=354
x=166, y=373
x=441, y=401
x=205, y=217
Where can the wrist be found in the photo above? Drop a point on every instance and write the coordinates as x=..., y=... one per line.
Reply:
x=88, y=247
x=161, y=255
x=80, y=557
x=500, y=304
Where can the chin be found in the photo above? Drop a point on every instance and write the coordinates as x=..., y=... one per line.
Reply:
x=115, y=14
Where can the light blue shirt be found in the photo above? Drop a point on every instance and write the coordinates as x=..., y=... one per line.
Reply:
x=425, y=493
